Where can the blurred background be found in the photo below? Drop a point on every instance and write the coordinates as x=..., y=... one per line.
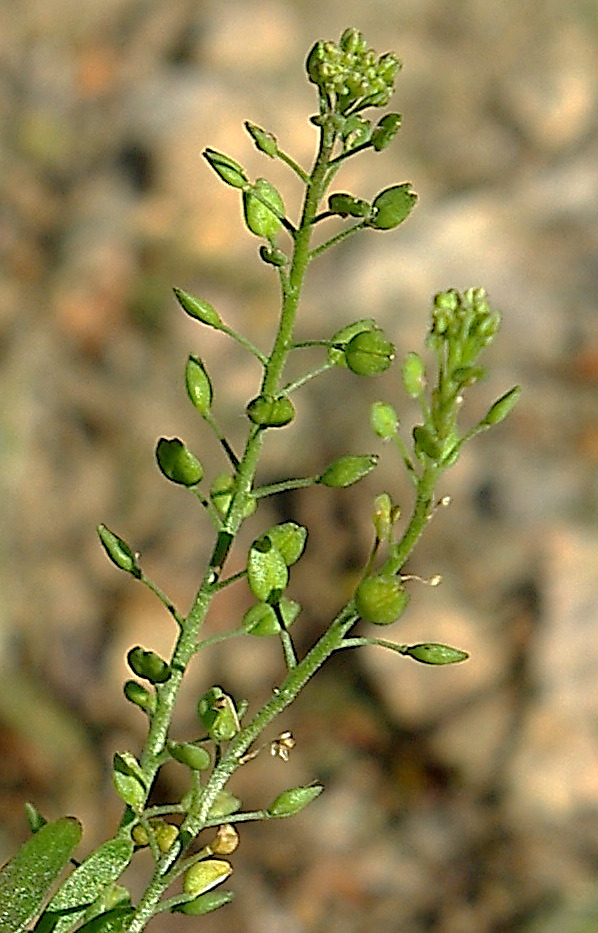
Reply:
x=457, y=800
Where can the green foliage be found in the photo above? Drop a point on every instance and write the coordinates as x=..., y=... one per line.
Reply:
x=350, y=79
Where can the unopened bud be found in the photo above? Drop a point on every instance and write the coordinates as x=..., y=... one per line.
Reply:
x=384, y=420
x=413, y=373
x=199, y=387
x=348, y=470
x=502, y=407
x=263, y=140
x=432, y=653
x=198, y=308
x=293, y=800
x=118, y=551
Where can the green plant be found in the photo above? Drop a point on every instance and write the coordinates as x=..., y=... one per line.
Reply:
x=350, y=80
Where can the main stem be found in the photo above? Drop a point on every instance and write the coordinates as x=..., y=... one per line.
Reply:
x=185, y=647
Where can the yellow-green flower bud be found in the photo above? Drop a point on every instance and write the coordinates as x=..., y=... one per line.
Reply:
x=261, y=619
x=347, y=206
x=194, y=756
x=205, y=903
x=226, y=168
x=381, y=599
x=413, y=372
x=199, y=387
x=118, y=551
x=384, y=516
x=502, y=407
x=260, y=218
x=165, y=834
x=425, y=444
x=141, y=697
x=369, y=353
x=432, y=653
x=205, y=875
x=149, y=665
x=385, y=131
x=289, y=538
x=198, y=308
x=177, y=463
x=269, y=412
x=348, y=470
x=263, y=140
x=384, y=420
x=293, y=800
x=392, y=206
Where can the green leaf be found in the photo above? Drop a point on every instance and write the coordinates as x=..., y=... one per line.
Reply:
x=27, y=878
x=88, y=880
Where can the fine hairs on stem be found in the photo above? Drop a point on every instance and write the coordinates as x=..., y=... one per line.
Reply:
x=191, y=840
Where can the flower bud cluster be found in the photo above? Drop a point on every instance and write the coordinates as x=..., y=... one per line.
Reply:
x=350, y=75
x=462, y=325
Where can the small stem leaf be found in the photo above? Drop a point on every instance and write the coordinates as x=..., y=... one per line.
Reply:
x=27, y=878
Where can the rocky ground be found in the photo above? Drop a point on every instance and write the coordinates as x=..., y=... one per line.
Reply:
x=458, y=800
